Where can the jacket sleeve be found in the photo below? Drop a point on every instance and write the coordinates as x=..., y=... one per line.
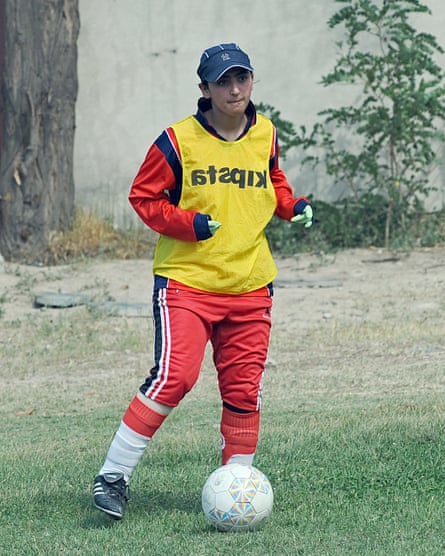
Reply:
x=156, y=190
x=287, y=204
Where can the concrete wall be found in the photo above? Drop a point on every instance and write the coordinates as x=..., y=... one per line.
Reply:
x=137, y=74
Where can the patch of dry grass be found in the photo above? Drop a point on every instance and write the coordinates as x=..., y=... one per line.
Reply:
x=91, y=236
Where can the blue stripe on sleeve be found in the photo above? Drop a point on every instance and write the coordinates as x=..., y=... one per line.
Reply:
x=171, y=156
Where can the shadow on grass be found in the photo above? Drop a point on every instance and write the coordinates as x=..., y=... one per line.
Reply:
x=98, y=520
x=141, y=504
x=167, y=500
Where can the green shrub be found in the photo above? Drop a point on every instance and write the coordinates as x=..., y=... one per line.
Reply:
x=389, y=137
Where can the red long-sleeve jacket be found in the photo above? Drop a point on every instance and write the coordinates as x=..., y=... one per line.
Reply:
x=156, y=189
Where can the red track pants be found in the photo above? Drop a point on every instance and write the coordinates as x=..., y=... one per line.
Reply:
x=185, y=320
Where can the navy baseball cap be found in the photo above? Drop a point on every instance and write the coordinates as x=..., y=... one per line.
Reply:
x=216, y=60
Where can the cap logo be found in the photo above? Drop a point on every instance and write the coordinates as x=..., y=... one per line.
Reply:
x=225, y=56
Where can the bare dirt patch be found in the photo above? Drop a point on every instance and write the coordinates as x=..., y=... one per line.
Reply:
x=357, y=323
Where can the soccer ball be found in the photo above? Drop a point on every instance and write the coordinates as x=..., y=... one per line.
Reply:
x=237, y=497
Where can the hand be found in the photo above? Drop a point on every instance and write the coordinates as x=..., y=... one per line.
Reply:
x=214, y=226
x=306, y=218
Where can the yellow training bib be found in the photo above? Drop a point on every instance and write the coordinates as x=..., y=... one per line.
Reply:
x=229, y=181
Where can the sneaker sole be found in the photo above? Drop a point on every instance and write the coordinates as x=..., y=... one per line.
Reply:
x=112, y=514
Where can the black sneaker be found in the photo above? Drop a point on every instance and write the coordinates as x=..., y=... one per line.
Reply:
x=111, y=494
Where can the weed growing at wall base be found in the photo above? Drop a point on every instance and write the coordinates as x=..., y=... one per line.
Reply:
x=93, y=236
x=351, y=224
x=342, y=225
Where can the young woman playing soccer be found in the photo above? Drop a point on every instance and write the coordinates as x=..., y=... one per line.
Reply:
x=209, y=186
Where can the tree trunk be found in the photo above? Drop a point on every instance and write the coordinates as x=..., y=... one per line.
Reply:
x=38, y=89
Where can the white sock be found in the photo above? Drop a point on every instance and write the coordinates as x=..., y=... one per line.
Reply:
x=243, y=459
x=125, y=451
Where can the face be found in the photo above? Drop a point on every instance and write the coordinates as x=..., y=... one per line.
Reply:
x=231, y=93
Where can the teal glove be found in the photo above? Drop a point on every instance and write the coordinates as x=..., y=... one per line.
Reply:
x=214, y=226
x=306, y=218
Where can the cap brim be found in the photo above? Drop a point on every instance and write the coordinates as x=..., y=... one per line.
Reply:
x=218, y=73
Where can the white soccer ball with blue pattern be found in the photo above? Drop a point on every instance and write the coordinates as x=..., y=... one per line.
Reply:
x=237, y=497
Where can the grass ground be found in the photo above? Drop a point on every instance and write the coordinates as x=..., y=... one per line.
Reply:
x=353, y=439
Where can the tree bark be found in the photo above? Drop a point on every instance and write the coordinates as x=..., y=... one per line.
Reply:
x=38, y=90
